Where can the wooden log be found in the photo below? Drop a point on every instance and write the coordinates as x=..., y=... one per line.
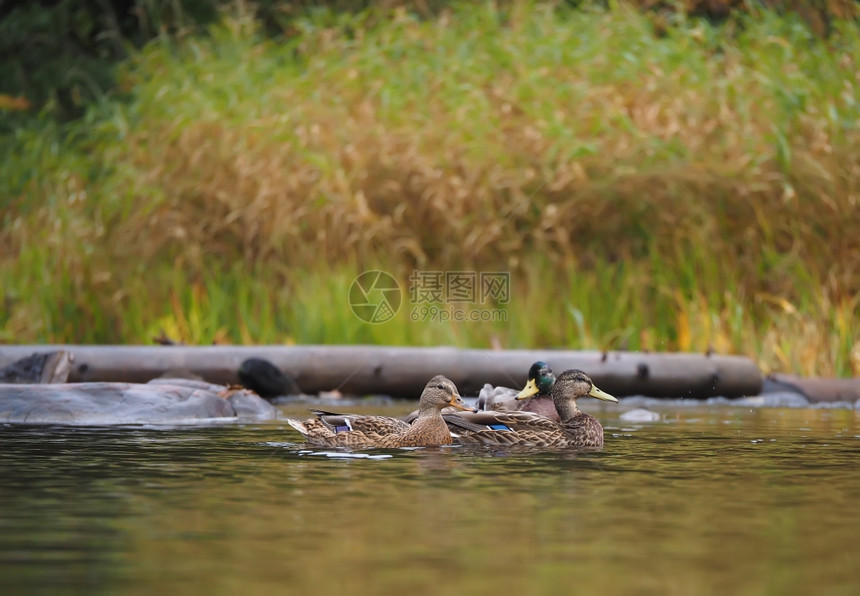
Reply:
x=403, y=371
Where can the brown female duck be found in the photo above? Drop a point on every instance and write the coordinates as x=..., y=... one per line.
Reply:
x=353, y=430
x=576, y=429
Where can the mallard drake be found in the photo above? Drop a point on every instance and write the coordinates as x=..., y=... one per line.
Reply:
x=329, y=429
x=503, y=399
x=576, y=429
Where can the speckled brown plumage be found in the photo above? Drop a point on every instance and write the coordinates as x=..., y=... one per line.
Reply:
x=577, y=428
x=329, y=429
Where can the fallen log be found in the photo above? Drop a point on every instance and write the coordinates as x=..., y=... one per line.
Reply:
x=403, y=371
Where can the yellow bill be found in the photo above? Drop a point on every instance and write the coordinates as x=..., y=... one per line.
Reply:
x=530, y=389
x=458, y=403
x=595, y=392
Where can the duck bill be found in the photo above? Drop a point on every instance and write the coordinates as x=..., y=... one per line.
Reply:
x=530, y=389
x=595, y=392
x=457, y=402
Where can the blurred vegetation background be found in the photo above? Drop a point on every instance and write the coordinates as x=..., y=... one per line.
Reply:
x=655, y=175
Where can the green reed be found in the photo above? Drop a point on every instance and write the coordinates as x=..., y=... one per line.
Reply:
x=687, y=192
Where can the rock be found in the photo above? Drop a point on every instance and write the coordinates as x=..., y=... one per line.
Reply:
x=639, y=415
x=161, y=402
x=246, y=403
x=266, y=379
x=250, y=406
x=187, y=382
x=816, y=389
x=775, y=399
x=45, y=367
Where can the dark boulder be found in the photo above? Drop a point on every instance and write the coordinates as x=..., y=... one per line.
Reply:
x=266, y=379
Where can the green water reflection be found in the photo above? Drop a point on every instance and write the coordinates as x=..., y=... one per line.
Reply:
x=708, y=500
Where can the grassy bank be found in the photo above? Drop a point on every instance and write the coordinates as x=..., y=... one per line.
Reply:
x=693, y=191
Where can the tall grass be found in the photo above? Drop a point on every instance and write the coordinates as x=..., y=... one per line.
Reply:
x=696, y=191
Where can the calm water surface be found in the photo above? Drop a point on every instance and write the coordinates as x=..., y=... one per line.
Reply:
x=709, y=500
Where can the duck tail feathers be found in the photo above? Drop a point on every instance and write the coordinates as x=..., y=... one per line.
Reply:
x=298, y=425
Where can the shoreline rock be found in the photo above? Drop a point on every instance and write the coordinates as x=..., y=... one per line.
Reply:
x=162, y=401
x=815, y=389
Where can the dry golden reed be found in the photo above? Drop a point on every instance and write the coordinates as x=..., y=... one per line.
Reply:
x=714, y=171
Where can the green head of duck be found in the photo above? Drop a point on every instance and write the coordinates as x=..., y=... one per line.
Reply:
x=540, y=381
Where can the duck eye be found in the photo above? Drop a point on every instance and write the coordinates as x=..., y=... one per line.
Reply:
x=440, y=386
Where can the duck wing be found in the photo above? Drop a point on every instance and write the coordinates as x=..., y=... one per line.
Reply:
x=501, y=421
x=374, y=425
x=504, y=428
